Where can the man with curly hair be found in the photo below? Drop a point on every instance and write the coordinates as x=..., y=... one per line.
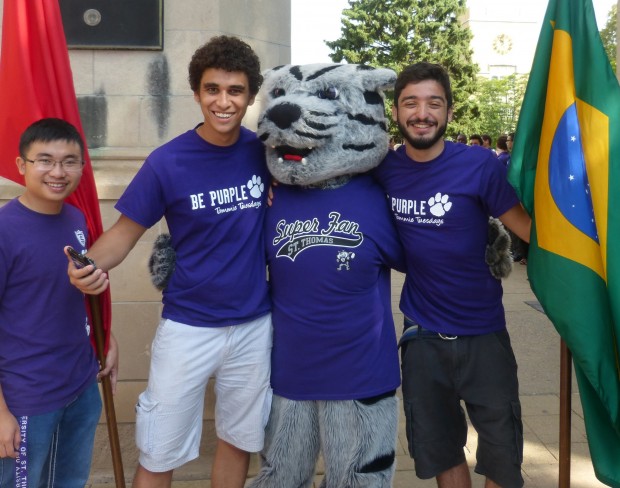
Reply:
x=209, y=184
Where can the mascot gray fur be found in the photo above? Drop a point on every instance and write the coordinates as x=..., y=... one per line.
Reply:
x=323, y=125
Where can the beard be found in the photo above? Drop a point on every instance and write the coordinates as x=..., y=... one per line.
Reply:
x=422, y=142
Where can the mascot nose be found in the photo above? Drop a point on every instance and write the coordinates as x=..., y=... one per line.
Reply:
x=284, y=115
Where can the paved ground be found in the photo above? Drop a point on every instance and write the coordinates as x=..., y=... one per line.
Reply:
x=537, y=348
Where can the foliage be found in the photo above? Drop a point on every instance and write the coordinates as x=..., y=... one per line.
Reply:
x=396, y=33
x=499, y=102
x=608, y=35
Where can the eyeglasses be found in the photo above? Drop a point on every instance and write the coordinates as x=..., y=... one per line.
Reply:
x=69, y=165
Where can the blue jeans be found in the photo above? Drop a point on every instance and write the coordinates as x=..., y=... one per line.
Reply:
x=58, y=446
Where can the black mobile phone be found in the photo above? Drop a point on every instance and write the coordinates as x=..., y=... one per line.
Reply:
x=79, y=260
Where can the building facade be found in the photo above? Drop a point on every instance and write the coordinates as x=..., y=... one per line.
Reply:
x=505, y=33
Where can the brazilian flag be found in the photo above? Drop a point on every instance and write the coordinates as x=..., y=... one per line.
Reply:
x=565, y=166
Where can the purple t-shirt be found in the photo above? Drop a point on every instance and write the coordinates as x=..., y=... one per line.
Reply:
x=46, y=358
x=329, y=254
x=213, y=199
x=504, y=157
x=441, y=209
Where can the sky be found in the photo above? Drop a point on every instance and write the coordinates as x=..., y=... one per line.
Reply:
x=314, y=21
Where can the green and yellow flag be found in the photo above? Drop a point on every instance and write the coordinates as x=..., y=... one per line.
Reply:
x=565, y=166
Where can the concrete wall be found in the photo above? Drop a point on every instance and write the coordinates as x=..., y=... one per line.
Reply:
x=142, y=98
x=134, y=101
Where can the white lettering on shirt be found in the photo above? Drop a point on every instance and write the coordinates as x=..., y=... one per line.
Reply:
x=197, y=201
x=404, y=206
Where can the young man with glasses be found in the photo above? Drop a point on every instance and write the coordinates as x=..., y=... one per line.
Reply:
x=510, y=140
x=49, y=399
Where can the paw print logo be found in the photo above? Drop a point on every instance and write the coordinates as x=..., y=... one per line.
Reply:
x=256, y=186
x=439, y=204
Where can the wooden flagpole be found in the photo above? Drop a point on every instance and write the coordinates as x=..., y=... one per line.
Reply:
x=566, y=371
x=108, y=399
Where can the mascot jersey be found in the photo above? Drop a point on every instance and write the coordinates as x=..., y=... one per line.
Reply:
x=441, y=209
x=329, y=253
x=46, y=358
x=213, y=199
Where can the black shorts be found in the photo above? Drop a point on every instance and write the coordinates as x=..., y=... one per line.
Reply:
x=479, y=370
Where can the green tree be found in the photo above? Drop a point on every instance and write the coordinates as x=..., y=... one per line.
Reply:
x=499, y=102
x=608, y=35
x=396, y=33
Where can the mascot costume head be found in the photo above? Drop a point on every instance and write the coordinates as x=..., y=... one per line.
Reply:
x=322, y=123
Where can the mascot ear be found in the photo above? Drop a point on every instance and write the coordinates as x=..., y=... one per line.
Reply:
x=162, y=261
x=497, y=254
x=377, y=79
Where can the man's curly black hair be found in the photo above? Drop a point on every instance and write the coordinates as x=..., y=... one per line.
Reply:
x=227, y=53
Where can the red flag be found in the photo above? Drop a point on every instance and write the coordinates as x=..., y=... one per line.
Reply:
x=36, y=82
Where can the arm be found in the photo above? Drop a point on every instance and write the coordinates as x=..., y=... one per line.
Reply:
x=9, y=431
x=107, y=252
x=518, y=221
x=111, y=363
x=270, y=194
x=394, y=252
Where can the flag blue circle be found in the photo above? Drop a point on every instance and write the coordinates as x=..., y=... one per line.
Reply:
x=568, y=179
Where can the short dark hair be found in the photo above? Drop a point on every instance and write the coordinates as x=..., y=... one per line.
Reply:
x=227, y=53
x=476, y=137
x=486, y=138
x=423, y=71
x=501, y=142
x=47, y=130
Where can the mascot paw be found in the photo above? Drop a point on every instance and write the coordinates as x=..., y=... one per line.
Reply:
x=497, y=254
x=162, y=261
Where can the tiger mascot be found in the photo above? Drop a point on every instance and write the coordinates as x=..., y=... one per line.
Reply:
x=330, y=244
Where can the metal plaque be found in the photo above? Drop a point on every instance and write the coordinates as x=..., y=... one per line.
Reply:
x=113, y=24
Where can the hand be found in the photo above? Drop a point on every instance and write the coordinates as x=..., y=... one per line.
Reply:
x=87, y=279
x=111, y=364
x=9, y=435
